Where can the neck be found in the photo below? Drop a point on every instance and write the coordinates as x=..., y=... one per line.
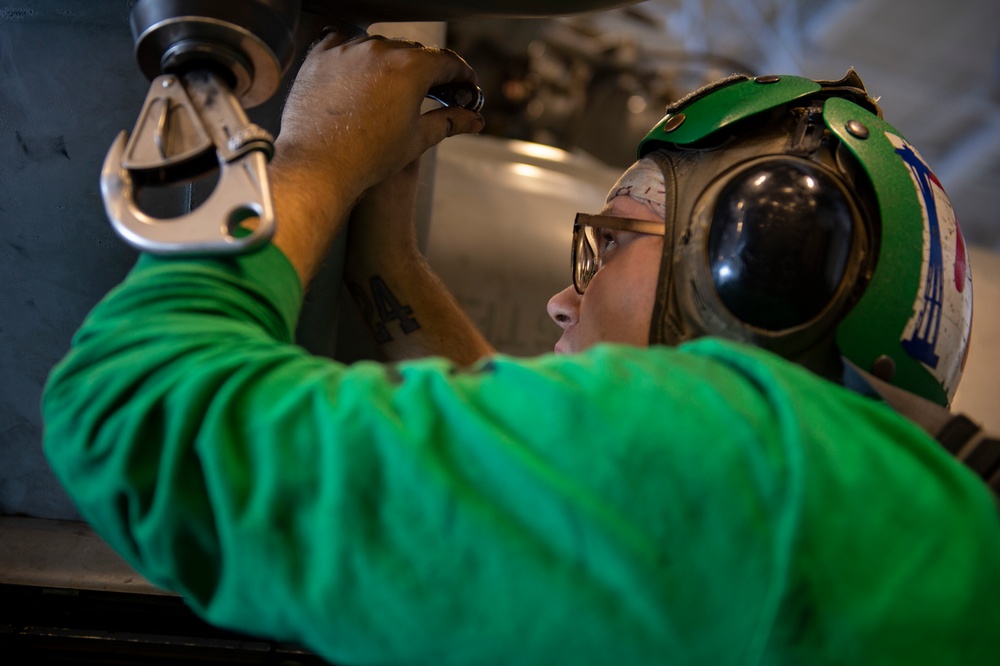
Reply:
x=823, y=359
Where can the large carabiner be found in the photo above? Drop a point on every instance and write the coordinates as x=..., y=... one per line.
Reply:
x=187, y=127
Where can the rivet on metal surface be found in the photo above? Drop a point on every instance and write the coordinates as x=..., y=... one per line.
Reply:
x=884, y=368
x=769, y=78
x=857, y=130
x=674, y=122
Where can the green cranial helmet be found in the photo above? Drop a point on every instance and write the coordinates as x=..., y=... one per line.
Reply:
x=801, y=218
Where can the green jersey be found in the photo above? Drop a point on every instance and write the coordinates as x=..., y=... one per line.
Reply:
x=711, y=504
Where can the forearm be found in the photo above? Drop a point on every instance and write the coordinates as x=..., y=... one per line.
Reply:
x=352, y=120
x=409, y=311
x=311, y=211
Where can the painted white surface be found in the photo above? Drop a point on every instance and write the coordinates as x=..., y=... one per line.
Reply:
x=979, y=393
x=501, y=225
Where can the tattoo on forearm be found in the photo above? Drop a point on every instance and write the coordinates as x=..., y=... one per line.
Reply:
x=382, y=307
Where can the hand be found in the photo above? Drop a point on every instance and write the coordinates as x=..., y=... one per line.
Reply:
x=354, y=111
x=352, y=120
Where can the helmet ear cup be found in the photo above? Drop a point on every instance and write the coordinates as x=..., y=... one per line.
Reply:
x=773, y=255
x=779, y=242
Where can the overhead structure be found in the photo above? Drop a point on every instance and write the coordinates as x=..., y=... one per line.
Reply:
x=207, y=62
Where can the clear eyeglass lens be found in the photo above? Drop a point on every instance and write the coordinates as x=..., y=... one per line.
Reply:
x=588, y=259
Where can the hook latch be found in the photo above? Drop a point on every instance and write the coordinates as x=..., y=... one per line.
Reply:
x=189, y=126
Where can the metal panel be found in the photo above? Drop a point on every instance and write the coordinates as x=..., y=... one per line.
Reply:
x=68, y=84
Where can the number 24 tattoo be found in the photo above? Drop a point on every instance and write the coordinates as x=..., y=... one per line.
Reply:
x=381, y=308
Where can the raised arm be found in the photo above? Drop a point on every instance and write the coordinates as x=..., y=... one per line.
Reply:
x=411, y=313
x=342, y=133
x=345, y=137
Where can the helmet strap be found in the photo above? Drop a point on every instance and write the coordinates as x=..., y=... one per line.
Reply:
x=808, y=135
x=666, y=327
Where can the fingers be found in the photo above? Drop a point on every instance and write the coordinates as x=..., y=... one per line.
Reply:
x=337, y=33
x=409, y=70
x=439, y=124
x=354, y=113
x=451, y=66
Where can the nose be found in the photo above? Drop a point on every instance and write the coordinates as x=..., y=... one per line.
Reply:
x=564, y=307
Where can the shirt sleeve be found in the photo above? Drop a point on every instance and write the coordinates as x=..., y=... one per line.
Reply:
x=623, y=506
x=419, y=513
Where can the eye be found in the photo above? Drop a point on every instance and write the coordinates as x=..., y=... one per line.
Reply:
x=606, y=240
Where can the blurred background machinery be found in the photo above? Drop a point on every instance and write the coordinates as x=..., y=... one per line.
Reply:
x=586, y=82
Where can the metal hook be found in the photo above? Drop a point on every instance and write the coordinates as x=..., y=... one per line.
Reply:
x=465, y=95
x=185, y=129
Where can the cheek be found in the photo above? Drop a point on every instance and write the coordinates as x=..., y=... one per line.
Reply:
x=618, y=305
x=638, y=308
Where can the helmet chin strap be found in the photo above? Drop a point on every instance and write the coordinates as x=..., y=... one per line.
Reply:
x=666, y=327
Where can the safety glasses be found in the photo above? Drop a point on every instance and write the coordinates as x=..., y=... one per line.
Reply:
x=591, y=239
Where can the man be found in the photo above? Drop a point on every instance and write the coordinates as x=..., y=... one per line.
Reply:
x=708, y=503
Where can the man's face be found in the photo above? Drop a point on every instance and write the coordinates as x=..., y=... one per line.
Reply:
x=618, y=304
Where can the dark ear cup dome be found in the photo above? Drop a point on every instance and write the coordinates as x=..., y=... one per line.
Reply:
x=779, y=243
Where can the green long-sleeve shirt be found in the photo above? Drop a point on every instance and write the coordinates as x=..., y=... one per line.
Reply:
x=711, y=504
